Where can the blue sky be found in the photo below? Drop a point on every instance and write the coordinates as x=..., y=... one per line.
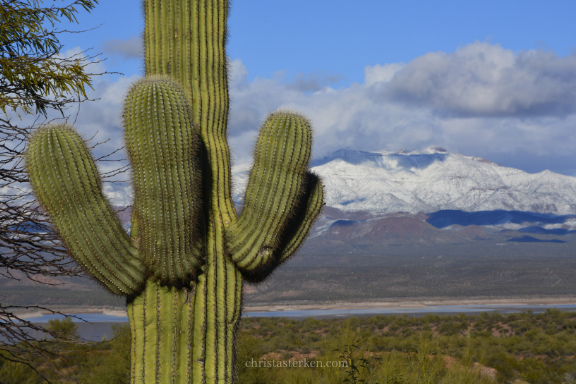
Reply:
x=495, y=79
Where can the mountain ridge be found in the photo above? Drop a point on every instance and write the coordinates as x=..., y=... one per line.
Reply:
x=431, y=180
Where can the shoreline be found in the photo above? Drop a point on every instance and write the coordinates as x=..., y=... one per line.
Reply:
x=415, y=303
x=340, y=305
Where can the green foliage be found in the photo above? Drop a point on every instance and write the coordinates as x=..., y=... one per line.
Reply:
x=112, y=367
x=34, y=78
x=29, y=66
x=353, y=363
x=249, y=348
x=16, y=372
x=65, y=328
x=419, y=360
x=410, y=355
x=432, y=348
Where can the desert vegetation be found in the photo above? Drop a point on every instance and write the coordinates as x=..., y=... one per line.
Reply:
x=485, y=348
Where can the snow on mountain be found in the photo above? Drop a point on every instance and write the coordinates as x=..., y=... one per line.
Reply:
x=414, y=181
x=431, y=180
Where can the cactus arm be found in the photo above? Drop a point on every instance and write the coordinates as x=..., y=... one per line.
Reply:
x=162, y=146
x=293, y=234
x=67, y=184
x=275, y=187
x=300, y=225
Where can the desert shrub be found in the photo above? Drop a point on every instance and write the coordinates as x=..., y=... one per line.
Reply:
x=112, y=366
x=65, y=328
x=16, y=373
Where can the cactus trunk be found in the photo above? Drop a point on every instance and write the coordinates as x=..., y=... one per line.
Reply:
x=186, y=40
x=173, y=341
x=162, y=324
x=182, y=268
x=174, y=337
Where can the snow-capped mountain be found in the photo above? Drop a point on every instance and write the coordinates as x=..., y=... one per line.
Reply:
x=431, y=180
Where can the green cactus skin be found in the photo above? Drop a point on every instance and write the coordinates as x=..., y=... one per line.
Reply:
x=183, y=267
x=162, y=146
x=274, y=188
x=66, y=181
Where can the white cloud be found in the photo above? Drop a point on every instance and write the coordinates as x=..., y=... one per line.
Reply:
x=341, y=117
x=238, y=73
x=381, y=73
x=95, y=66
x=482, y=79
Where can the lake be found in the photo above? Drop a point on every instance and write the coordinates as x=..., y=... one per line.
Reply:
x=99, y=325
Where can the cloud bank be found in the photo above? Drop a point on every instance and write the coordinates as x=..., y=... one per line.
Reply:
x=484, y=80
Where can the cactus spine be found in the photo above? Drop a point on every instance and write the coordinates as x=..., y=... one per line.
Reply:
x=183, y=267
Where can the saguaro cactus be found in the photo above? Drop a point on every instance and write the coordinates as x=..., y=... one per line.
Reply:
x=182, y=268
